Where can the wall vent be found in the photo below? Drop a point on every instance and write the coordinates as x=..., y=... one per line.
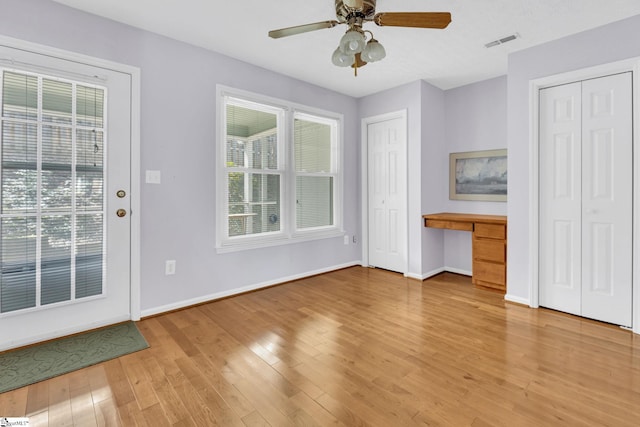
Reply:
x=502, y=40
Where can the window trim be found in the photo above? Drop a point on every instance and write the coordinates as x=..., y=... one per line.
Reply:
x=286, y=167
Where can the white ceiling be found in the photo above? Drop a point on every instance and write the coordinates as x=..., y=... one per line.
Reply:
x=445, y=58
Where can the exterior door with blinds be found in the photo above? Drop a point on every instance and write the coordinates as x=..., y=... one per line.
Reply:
x=64, y=197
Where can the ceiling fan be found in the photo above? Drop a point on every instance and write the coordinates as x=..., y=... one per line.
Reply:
x=354, y=49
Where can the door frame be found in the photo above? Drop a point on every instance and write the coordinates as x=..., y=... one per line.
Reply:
x=134, y=73
x=364, y=152
x=633, y=65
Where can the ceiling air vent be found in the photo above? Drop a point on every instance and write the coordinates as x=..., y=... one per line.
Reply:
x=502, y=40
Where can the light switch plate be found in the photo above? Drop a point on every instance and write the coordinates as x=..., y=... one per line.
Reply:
x=152, y=177
x=170, y=267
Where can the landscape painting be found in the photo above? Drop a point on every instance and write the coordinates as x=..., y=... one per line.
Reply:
x=478, y=175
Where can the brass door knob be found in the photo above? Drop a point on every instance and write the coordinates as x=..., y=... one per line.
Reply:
x=121, y=212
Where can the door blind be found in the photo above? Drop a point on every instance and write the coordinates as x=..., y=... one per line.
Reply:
x=52, y=191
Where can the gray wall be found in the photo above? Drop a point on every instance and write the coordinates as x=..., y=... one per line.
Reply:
x=475, y=119
x=468, y=118
x=178, y=136
x=602, y=45
x=424, y=104
x=433, y=177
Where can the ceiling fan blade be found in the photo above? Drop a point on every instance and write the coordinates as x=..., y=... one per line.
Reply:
x=413, y=19
x=299, y=29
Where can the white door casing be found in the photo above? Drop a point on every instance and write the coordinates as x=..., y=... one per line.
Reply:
x=387, y=189
x=586, y=198
x=119, y=301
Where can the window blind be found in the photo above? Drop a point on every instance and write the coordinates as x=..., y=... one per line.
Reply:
x=314, y=154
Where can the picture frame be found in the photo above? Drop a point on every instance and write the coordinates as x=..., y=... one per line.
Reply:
x=478, y=175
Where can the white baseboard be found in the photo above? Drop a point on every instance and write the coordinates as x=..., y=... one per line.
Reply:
x=438, y=271
x=432, y=273
x=517, y=300
x=458, y=271
x=212, y=297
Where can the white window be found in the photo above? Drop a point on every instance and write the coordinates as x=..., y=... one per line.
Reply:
x=316, y=153
x=279, y=179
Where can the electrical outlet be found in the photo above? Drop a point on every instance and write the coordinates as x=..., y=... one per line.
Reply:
x=170, y=267
x=346, y=239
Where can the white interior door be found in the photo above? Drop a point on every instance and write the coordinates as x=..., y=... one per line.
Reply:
x=65, y=172
x=586, y=198
x=387, y=184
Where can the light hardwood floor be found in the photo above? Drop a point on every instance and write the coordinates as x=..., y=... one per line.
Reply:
x=355, y=347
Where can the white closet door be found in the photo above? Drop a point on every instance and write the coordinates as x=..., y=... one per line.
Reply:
x=607, y=199
x=586, y=198
x=387, y=194
x=560, y=198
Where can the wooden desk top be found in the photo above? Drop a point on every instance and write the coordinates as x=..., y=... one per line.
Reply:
x=464, y=217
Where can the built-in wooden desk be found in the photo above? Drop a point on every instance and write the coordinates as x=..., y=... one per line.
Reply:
x=489, y=250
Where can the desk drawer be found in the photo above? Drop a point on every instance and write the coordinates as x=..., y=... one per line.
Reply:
x=489, y=272
x=490, y=231
x=451, y=225
x=489, y=250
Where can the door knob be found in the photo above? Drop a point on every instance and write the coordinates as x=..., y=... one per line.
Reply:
x=121, y=212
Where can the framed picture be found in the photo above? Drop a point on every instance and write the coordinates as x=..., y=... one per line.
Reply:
x=478, y=175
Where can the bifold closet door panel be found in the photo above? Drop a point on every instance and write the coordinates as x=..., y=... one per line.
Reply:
x=560, y=198
x=607, y=196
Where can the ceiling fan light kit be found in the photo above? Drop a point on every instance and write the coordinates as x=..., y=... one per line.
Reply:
x=341, y=59
x=354, y=49
x=373, y=51
x=352, y=42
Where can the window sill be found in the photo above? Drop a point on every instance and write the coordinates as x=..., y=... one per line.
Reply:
x=257, y=243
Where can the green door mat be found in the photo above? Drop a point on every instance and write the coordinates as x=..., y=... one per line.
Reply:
x=29, y=365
